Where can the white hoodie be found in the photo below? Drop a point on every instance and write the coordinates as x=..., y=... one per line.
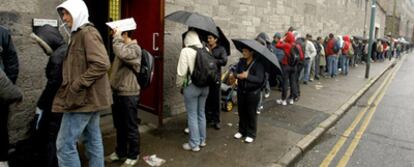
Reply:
x=187, y=57
x=310, y=51
x=78, y=10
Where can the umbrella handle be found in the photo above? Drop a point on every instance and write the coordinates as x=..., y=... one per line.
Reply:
x=154, y=37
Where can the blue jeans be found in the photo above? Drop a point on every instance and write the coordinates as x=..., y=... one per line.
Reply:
x=195, y=101
x=332, y=65
x=73, y=126
x=345, y=64
x=309, y=63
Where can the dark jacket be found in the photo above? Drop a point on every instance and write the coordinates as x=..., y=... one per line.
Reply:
x=255, y=79
x=9, y=61
x=48, y=36
x=220, y=54
x=8, y=92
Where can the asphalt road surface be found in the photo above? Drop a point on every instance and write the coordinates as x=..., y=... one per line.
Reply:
x=377, y=131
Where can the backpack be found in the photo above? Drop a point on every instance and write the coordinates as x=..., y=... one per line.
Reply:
x=147, y=69
x=146, y=72
x=336, y=47
x=294, y=56
x=351, y=52
x=205, y=68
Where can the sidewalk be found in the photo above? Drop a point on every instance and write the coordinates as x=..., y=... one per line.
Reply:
x=280, y=128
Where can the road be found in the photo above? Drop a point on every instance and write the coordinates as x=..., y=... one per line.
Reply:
x=377, y=131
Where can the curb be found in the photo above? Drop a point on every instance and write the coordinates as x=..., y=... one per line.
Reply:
x=306, y=142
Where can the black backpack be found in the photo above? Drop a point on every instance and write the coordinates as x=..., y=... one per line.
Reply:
x=146, y=72
x=294, y=56
x=205, y=68
x=147, y=69
x=336, y=47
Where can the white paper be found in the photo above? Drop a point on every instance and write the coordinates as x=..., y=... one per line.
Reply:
x=123, y=25
x=42, y=22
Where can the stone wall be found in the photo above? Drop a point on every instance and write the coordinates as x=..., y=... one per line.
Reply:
x=17, y=15
x=247, y=18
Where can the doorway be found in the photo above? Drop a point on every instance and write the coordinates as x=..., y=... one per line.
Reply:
x=149, y=16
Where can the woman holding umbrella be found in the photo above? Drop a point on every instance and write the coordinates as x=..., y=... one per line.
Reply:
x=250, y=73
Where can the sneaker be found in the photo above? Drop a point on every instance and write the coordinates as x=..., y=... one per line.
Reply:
x=281, y=102
x=4, y=164
x=267, y=94
x=305, y=82
x=296, y=99
x=248, y=140
x=203, y=144
x=186, y=131
x=258, y=112
x=238, y=135
x=111, y=158
x=187, y=147
x=291, y=101
x=216, y=126
x=130, y=162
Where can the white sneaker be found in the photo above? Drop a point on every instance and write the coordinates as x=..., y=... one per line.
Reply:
x=238, y=135
x=258, y=112
x=111, y=158
x=267, y=95
x=187, y=147
x=4, y=164
x=248, y=140
x=281, y=102
x=186, y=131
x=130, y=162
x=291, y=101
x=203, y=144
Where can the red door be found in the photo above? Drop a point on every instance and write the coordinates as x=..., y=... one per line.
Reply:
x=149, y=16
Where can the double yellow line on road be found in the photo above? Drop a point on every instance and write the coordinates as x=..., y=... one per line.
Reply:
x=372, y=104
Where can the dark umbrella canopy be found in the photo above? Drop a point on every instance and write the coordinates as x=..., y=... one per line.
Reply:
x=358, y=37
x=258, y=48
x=195, y=20
x=223, y=41
x=383, y=39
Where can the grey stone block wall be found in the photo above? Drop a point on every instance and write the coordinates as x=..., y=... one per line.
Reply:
x=17, y=15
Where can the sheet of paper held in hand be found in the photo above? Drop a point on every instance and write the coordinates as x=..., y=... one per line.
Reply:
x=123, y=25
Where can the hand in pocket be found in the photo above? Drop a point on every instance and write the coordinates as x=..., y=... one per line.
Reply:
x=75, y=99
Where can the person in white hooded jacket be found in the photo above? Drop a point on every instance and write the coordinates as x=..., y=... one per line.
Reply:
x=194, y=97
x=85, y=89
x=310, y=54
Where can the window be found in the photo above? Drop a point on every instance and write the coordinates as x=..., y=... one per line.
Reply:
x=115, y=9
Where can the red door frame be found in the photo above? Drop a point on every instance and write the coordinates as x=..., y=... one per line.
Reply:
x=151, y=100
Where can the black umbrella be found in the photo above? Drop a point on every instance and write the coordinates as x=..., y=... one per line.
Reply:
x=358, y=37
x=223, y=41
x=258, y=48
x=383, y=39
x=195, y=20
